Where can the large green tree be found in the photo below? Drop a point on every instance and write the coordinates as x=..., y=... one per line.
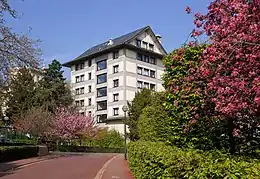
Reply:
x=53, y=90
x=154, y=123
x=20, y=93
x=141, y=100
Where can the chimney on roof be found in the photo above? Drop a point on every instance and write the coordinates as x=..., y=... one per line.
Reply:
x=110, y=42
x=159, y=38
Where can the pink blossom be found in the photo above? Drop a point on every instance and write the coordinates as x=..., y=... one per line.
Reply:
x=69, y=123
x=188, y=10
x=194, y=121
x=197, y=116
x=236, y=132
x=230, y=64
x=257, y=101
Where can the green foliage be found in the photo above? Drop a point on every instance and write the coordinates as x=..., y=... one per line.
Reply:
x=184, y=98
x=154, y=123
x=85, y=149
x=49, y=91
x=21, y=91
x=53, y=91
x=11, y=153
x=103, y=139
x=156, y=160
x=141, y=100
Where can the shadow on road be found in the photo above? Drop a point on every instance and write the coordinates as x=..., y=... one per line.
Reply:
x=7, y=169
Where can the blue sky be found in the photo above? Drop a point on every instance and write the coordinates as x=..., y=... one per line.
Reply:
x=67, y=28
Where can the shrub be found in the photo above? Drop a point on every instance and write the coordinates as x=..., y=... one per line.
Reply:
x=141, y=100
x=154, y=122
x=157, y=160
x=10, y=153
x=105, y=139
x=84, y=149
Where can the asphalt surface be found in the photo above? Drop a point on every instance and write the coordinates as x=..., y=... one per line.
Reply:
x=69, y=167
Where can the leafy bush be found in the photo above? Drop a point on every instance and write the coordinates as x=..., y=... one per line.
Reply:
x=108, y=139
x=157, y=160
x=104, y=138
x=154, y=123
x=10, y=153
x=141, y=100
x=84, y=149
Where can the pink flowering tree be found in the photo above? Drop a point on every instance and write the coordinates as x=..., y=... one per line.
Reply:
x=231, y=64
x=70, y=124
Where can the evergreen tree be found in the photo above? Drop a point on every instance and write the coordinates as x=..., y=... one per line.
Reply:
x=20, y=93
x=53, y=90
x=141, y=100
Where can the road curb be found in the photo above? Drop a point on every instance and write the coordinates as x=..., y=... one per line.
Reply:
x=19, y=166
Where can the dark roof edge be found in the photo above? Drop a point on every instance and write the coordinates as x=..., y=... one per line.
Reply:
x=144, y=29
x=129, y=46
x=67, y=64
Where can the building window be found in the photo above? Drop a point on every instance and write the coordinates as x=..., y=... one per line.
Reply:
x=89, y=76
x=139, y=84
x=115, y=68
x=82, y=90
x=89, y=113
x=102, y=92
x=89, y=63
x=152, y=73
x=116, y=83
x=77, y=79
x=146, y=59
x=80, y=66
x=101, y=65
x=82, y=103
x=89, y=89
x=151, y=47
x=152, y=60
x=77, y=91
x=138, y=43
x=116, y=111
x=77, y=103
x=102, y=78
x=139, y=70
x=89, y=101
x=101, y=105
x=152, y=87
x=146, y=85
x=81, y=78
x=116, y=55
x=146, y=72
x=101, y=118
x=139, y=56
x=145, y=45
x=116, y=97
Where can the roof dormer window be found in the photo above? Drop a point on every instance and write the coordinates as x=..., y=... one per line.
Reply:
x=145, y=45
x=138, y=43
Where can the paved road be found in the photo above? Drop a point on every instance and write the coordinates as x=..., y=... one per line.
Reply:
x=72, y=167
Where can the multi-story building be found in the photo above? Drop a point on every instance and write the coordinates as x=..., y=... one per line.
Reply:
x=108, y=75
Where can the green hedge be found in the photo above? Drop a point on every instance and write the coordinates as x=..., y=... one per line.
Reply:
x=11, y=153
x=84, y=149
x=156, y=160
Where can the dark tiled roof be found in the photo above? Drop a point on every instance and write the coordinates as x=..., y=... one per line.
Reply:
x=104, y=46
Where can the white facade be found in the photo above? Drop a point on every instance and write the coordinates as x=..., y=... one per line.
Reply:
x=115, y=78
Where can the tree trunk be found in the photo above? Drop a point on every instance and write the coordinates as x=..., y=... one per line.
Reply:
x=232, y=141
